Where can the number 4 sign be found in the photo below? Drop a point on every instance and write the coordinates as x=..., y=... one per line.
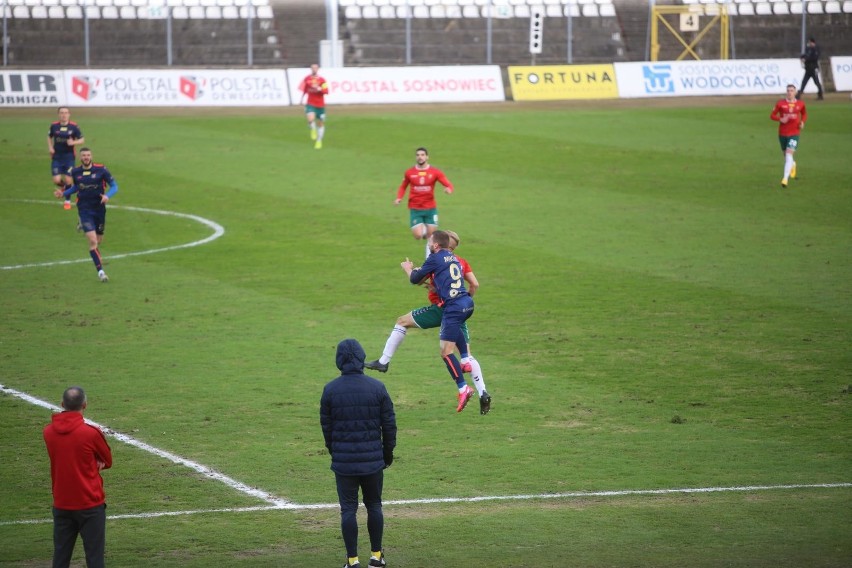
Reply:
x=689, y=22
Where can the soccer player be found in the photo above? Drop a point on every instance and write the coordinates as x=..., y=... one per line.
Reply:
x=428, y=317
x=423, y=209
x=315, y=88
x=791, y=115
x=90, y=183
x=62, y=137
x=446, y=272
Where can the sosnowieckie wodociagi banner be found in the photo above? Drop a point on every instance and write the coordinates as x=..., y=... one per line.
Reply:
x=708, y=78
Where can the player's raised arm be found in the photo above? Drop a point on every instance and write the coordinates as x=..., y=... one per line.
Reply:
x=415, y=275
x=420, y=274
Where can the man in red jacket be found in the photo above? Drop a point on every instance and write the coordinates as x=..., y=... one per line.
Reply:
x=78, y=452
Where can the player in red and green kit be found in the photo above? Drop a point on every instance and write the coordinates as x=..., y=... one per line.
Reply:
x=315, y=88
x=791, y=115
x=423, y=209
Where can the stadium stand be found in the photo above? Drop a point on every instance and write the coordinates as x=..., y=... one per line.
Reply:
x=455, y=31
x=133, y=32
x=759, y=28
x=288, y=32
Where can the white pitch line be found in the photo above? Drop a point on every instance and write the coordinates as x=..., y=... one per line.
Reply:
x=218, y=231
x=531, y=497
x=197, y=467
x=277, y=503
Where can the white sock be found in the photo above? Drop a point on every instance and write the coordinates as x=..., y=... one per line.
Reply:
x=476, y=376
x=312, y=126
x=788, y=165
x=394, y=341
x=320, y=132
x=427, y=248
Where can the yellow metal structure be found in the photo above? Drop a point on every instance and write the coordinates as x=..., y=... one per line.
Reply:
x=718, y=14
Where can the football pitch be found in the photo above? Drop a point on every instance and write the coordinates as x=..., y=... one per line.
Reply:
x=665, y=332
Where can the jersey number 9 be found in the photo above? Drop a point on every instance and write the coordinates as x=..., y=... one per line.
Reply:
x=456, y=275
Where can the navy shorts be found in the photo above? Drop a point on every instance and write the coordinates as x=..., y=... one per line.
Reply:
x=455, y=314
x=92, y=220
x=62, y=165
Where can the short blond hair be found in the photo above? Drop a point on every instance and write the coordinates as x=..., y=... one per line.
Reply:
x=454, y=236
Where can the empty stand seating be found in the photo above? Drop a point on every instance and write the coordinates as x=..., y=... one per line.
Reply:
x=442, y=9
x=135, y=32
x=144, y=9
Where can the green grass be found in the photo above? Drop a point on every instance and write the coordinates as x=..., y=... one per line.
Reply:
x=655, y=313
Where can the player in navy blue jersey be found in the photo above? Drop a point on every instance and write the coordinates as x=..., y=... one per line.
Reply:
x=62, y=138
x=448, y=281
x=90, y=183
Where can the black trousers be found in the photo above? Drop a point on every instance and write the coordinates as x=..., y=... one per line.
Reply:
x=811, y=73
x=90, y=524
x=347, y=493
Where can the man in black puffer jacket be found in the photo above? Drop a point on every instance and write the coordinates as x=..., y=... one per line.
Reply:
x=810, y=60
x=359, y=427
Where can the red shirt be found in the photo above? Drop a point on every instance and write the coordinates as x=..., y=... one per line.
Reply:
x=796, y=114
x=316, y=88
x=434, y=298
x=422, y=182
x=75, y=448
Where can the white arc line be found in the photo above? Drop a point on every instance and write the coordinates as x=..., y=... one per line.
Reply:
x=218, y=231
x=197, y=467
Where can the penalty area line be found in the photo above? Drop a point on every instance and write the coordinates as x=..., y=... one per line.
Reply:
x=530, y=497
x=218, y=231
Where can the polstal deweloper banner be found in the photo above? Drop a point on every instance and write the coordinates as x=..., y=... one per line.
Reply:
x=176, y=87
x=708, y=78
x=841, y=71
